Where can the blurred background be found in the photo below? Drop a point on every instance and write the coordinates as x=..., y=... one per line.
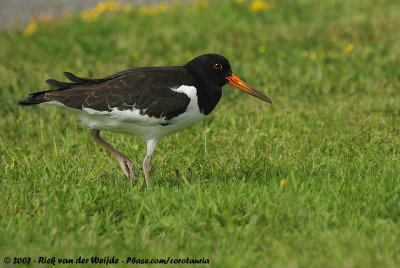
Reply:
x=17, y=12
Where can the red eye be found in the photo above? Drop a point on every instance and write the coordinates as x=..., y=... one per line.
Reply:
x=218, y=66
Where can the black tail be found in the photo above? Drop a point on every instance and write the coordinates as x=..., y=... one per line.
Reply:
x=34, y=98
x=39, y=97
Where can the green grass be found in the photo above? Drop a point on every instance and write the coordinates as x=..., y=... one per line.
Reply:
x=332, y=132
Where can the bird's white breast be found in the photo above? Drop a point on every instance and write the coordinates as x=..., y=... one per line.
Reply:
x=192, y=114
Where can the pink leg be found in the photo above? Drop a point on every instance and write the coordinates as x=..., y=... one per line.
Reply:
x=147, y=169
x=151, y=145
x=124, y=161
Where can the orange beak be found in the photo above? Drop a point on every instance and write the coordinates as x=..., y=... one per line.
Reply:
x=238, y=83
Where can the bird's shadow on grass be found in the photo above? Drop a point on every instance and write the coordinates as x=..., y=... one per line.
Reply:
x=255, y=174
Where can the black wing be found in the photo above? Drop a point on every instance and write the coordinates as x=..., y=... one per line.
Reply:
x=147, y=89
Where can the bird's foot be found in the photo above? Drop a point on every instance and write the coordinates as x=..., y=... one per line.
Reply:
x=127, y=167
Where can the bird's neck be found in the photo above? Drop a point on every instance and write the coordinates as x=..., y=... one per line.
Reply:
x=207, y=93
x=208, y=97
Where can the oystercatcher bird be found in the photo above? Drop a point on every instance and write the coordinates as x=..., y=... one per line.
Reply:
x=148, y=102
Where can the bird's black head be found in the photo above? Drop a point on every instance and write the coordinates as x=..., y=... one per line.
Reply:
x=215, y=70
x=212, y=67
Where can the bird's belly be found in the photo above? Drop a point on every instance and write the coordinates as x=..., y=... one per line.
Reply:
x=152, y=131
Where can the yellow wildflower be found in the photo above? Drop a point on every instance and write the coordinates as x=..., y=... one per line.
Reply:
x=104, y=6
x=89, y=15
x=101, y=7
x=31, y=28
x=136, y=56
x=262, y=48
x=107, y=6
x=283, y=183
x=155, y=9
x=349, y=47
x=259, y=5
x=313, y=56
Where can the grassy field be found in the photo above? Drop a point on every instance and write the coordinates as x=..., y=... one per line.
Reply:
x=311, y=180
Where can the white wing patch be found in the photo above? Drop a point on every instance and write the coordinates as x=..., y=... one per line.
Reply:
x=130, y=115
x=190, y=91
x=93, y=111
x=54, y=102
